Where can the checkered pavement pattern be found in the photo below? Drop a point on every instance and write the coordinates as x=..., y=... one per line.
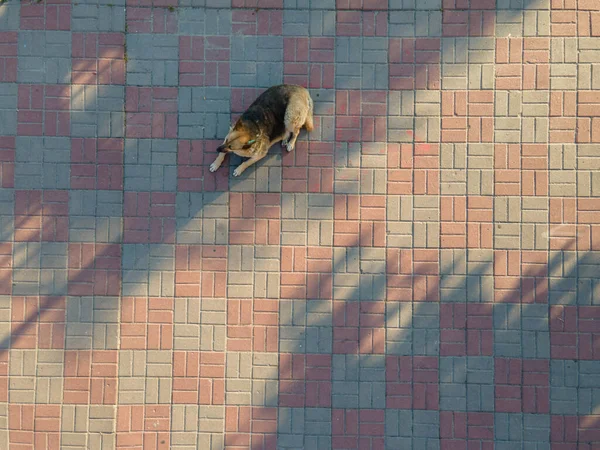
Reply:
x=421, y=273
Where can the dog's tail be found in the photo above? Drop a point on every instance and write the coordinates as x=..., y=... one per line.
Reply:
x=308, y=124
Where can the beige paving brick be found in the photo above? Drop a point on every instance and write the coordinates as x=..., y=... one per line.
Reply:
x=563, y=183
x=480, y=182
x=536, y=23
x=186, y=326
x=22, y=376
x=507, y=209
x=293, y=232
x=508, y=104
x=589, y=51
x=534, y=236
x=211, y=419
x=507, y=130
x=399, y=208
x=49, y=383
x=184, y=419
x=588, y=76
x=507, y=236
x=213, y=441
x=563, y=50
x=564, y=156
x=320, y=232
x=509, y=23
x=4, y=425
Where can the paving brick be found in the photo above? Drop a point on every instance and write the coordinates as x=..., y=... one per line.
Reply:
x=152, y=60
x=44, y=57
x=97, y=111
x=159, y=259
x=101, y=18
x=8, y=109
x=261, y=73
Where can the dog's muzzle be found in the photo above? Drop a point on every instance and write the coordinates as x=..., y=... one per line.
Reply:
x=221, y=149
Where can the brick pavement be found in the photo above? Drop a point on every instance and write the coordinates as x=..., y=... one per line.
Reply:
x=420, y=274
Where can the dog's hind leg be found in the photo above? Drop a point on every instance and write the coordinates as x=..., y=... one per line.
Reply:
x=308, y=123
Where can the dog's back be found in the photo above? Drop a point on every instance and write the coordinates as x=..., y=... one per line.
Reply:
x=269, y=109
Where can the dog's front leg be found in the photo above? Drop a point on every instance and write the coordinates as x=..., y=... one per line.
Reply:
x=217, y=162
x=240, y=169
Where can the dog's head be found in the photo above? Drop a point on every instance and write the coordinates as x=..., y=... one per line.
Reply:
x=239, y=138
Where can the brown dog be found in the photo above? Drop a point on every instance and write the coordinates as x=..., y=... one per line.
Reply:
x=276, y=115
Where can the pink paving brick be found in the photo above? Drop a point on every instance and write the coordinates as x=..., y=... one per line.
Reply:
x=362, y=23
x=94, y=269
x=411, y=382
x=522, y=385
x=252, y=325
x=305, y=381
x=38, y=322
x=151, y=112
x=354, y=429
x=50, y=15
x=151, y=20
x=97, y=163
x=7, y=161
x=44, y=110
x=201, y=271
x=193, y=160
x=361, y=116
x=264, y=212
x=204, y=60
x=257, y=22
x=98, y=58
x=8, y=57
x=90, y=377
x=149, y=217
x=309, y=62
x=41, y=216
x=306, y=272
x=199, y=378
x=147, y=323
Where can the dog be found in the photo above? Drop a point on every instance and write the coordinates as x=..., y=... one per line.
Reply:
x=278, y=114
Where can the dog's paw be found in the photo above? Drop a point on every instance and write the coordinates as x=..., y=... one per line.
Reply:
x=284, y=143
x=213, y=167
x=289, y=146
x=238, y=171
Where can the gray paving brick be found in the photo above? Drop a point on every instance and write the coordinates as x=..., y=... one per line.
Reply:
x=402, y=23
x=42, y=162
x=317, y=421
x=100, y=18
x=150, y=165
x=453, y=388
x=102, y=2
x=508, y=428
x=92, y=323
x=44, y=57
x=9, y=16
x=589, y=387
x=7, y=207
x=148, y=269
x=536, y=431
x=8, y=109
x=202, y=218
x=53, y=273
x=480, y=390
x=204, y=112
x=344, y=394
x=153, y=60
x=536, y=344
x=253, y=61
x=97, y=111
x=95, y=216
